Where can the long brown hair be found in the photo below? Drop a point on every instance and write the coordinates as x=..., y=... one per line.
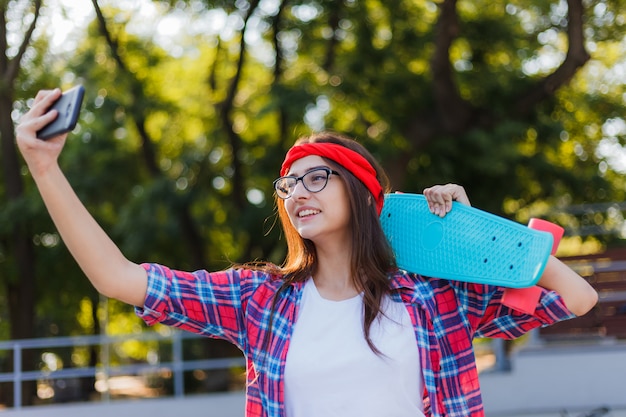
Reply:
x=372, y=257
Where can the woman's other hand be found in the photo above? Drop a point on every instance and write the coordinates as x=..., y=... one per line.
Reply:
x=440, y=198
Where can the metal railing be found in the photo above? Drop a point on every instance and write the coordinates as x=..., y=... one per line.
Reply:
x=178, y=365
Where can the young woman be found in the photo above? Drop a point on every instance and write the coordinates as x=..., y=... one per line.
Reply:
x=337, y=330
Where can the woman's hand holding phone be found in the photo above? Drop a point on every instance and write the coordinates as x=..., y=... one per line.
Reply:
x=67, y=109
x=39, y=154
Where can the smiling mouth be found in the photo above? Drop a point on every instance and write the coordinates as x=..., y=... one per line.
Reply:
x=306, y=213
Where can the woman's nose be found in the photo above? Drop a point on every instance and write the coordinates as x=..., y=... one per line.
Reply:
x=300, y=191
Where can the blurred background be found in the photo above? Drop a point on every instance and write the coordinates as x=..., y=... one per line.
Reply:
x=189, y=109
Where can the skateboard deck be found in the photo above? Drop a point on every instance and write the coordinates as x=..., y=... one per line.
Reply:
x=467, y=244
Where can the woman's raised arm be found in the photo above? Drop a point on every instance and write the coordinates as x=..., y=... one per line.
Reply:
x=100, y=259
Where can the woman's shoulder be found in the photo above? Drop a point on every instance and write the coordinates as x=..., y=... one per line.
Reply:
x=439, y=288
x=256, y=276
x=235, y=276
x=266, y=278
x=402, y=278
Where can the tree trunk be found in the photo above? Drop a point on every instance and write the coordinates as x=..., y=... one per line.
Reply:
x=18, y=279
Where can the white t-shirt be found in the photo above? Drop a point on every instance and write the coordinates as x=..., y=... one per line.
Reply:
x=331, y=370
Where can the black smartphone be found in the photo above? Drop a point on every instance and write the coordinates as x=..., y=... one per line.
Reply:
x=68, y=108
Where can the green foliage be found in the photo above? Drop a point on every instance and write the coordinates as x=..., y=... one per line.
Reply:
x=360, y=67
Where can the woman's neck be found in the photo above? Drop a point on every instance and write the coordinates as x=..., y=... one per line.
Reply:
x=333, y=275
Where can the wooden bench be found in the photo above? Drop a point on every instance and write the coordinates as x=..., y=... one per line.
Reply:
x=607, y=273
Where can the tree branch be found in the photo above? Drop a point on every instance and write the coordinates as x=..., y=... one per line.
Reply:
x=3, y=39
x=453, y=110
x=147, y=147
x=15, y=63
x=212, y=78
x=113, y=45
x=278, y=70
x=185, y=220
x=576, y=57
x=227, y=104
x=279, y=59
x=225, y=108
x=333, y=22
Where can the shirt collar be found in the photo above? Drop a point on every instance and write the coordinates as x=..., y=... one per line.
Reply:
x=413, y=288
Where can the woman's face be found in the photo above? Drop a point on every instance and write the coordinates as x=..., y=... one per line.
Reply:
x=322, y=217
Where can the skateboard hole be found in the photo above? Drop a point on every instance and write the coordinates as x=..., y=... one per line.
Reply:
x=485, y=260
x=493, y=239
x=519, y=244
x=510, y=266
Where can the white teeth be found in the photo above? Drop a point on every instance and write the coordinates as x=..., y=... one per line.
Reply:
x=304, y=213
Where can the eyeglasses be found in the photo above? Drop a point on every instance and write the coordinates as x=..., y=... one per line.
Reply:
x=314, y=181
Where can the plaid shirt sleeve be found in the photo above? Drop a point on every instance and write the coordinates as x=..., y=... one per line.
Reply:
x=459, y=312
x=489, y=317
x=211, y=304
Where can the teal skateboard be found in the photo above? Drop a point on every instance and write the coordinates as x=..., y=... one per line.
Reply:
x=467, y=244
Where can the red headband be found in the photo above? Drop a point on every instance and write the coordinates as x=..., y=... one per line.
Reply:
x=347, y=158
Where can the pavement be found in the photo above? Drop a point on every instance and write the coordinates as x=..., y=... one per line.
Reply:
x=210, y=405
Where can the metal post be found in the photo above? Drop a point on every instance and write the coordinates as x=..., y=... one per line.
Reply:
x=502, y=360
x=17, y=375
x=105, y=346
x=177, y=356
x=534, y=338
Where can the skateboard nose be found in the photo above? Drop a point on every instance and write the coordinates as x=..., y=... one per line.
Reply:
x=546, y=226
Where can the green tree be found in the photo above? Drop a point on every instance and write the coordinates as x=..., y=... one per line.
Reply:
x=493, y=95
x=18, y=254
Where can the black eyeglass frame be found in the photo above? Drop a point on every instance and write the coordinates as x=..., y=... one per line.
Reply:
x=328, y=171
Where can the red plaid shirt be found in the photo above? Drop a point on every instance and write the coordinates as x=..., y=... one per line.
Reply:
x=235, y=305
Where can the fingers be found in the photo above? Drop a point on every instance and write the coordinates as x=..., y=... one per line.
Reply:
x=43, y=100
x=47, y=96
x=31, y=125
x=440, y=198
x=40, y=155
x=38, y=116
